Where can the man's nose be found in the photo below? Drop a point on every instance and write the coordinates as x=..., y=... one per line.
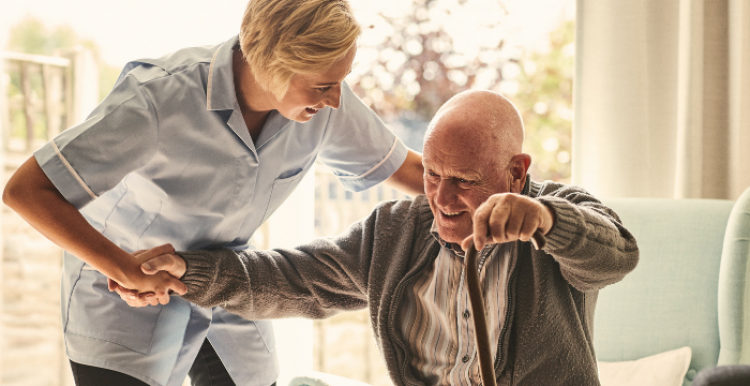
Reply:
x=446, y=192
x=333, y=98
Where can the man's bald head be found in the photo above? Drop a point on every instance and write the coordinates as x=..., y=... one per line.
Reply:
x=485, y=120
x=472, y=150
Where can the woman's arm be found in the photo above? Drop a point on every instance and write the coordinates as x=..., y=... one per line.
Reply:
x=35, y=198
x=408, y=178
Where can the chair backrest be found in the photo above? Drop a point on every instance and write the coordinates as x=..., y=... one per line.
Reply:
x=672, y=298
x=734, y=286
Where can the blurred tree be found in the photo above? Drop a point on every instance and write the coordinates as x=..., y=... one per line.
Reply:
x=412, y=60
x=423, y=56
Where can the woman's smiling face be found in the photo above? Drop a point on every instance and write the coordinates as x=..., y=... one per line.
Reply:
x=307, y=94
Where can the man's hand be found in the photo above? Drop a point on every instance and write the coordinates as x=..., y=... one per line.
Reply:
x=169, y=262
x=154, y=285
x=508, y=217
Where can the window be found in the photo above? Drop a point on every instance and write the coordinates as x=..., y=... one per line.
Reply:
x=333, y=190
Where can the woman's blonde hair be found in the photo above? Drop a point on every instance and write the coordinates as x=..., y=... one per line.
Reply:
x=281, y=38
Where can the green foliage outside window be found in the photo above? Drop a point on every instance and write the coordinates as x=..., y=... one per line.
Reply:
x=545, y=99
x=31, y=36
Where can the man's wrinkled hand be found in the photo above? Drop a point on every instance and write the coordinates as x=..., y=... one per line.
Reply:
x=508, y=217
x=169, y=262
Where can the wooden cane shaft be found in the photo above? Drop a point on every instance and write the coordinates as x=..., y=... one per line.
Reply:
x=481, y=334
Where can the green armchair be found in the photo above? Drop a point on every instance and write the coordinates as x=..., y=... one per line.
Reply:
x=690, y=287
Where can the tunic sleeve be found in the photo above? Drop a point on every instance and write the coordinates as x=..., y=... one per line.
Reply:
x=119, y=136
x=358, y=147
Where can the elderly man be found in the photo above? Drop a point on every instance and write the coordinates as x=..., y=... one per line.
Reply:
x=405, y=263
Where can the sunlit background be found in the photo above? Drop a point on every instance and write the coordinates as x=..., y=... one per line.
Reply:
x=413, y=56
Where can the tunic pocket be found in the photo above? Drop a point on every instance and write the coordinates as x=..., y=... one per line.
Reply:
x=281, y=190
x=94, y=312
x=133, y=213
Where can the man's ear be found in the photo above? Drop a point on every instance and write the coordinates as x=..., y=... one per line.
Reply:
x=518, y=167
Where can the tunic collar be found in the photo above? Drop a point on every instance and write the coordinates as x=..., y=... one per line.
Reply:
x=220, y=92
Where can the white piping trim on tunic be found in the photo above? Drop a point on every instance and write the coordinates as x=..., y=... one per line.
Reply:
x=72, y=171
x=393, y=148
x=210, y=79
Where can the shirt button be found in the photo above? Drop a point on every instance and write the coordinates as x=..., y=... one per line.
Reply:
x=465, y=359
x=466, y=314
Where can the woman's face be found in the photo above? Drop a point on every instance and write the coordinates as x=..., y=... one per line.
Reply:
x=307, y=94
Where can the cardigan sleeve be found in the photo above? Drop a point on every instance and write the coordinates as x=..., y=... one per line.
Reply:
x=314, y=280
x=588, y=239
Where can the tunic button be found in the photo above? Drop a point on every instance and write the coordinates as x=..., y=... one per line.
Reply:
x=466, y=314
x=465, y=359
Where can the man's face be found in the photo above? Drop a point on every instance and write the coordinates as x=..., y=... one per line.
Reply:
x=461, y=173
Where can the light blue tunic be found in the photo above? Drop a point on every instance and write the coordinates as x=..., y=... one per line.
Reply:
x=167, y=158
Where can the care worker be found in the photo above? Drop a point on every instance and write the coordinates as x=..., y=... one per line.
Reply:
x=198, y=149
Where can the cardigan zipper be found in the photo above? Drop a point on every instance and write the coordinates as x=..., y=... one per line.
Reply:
x=509, y=300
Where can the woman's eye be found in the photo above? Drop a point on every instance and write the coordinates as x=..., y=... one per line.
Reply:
x=323, y=89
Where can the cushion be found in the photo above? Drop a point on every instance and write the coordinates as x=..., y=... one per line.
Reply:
x=664, y=369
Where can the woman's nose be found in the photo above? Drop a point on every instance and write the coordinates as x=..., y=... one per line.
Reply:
x=333, y=98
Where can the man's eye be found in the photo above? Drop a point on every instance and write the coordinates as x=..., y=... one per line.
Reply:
x=464, y=183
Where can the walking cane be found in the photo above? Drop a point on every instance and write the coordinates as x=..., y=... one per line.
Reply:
x=481, y=334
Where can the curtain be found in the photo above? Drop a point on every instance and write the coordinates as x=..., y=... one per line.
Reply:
x=662, y=98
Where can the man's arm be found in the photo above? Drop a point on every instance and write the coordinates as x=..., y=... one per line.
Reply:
x=585, y=237
x=314, y=280
x=260, y=284
x=588, y=239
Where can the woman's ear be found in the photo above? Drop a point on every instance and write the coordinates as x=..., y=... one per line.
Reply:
x=519, y=166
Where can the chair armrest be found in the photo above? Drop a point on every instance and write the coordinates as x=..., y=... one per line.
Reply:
x=314, y=378
x=732, y=375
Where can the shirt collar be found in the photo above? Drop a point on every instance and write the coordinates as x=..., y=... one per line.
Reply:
x=220, y=93
x=444, y=244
